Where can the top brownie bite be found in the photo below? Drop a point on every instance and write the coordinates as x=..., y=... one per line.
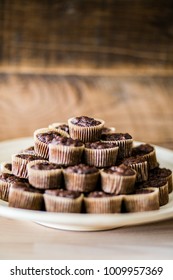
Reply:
x=85, y=121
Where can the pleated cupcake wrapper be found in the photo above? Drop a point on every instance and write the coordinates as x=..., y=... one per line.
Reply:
x=142, y=202
x=25, y=200
x=111, y=204
x=141, y=171
x=44, y=179
x=41, y=148
x=125, y=147
x=101, y=157
x=19, y=166
x=81, y=182
x=65, y=155
x=118, y=184
x=55, y=125
x=85, y=134
x=4, y=190
x=163, y=195
x=3, y=168
x=169, y=180
x=63, y=204
x=151, y=159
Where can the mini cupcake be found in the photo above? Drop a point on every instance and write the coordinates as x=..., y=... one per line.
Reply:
x=22, y=195
x=147, y=151
x=6, y=180
x=123, y=140
x=81, y=177
x=43, y=137
x=100, y=202
x=19, y=164
x=138, y=163
x=60, y=126
x=44, y=175
x=85, y=128
x=142, y=200
x=162, y=185
x=6, y=167
x=60, y=200
x=66, y=151
x=118, y=179
x=165, y=173
x=100, y=154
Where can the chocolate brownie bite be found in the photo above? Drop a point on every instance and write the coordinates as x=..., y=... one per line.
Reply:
x=43, y=137
x=100, y=154
x=142, y=200
x=6, y=180
x=123, y=140
x=85, y=128
x=138, y=163
x=30, y=150
x=60, y=126
x=97, y=202
x=165, y=173
x=147, y=151
x=44, y=175
x=108, y=130
x=118, y=179
x=66, y=151
x=162, y=185
x=81, y=177
x=6, y=167
x=23, y=195
x=60, y=200
x=19, y=163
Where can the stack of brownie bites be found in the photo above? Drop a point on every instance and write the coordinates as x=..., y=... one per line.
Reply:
x=82, y=166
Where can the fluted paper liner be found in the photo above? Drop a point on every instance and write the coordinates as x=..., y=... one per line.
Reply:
x=116, y=183
x=19, y=166
x=125, y=147
x=151, y=159
x=85, y=133
x=55, y=203
x=141, y=169
x=44, y=179
x=142, y=202
x=80, y=182
x=26, y=200
x=110, y=204
x=65, y=155
x=101, y=157
x=4, y=190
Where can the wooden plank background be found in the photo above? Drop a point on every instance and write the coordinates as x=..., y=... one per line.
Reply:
x=108, y=59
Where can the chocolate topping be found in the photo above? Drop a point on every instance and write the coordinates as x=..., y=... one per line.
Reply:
x=82, y=169
x=45, y=166
x=157, y=183
x=98, y=194
x=122, y=169
x=8, y=166
x=9, y=178
x=115, y=136
x=29, y=150
x=85, y=121
x=28, y=157
x=48, y=137
x=63, y=193
x=67, y=141
x=64, y=127
x=142, y=149
x=133, y=160
x=100, y=145
x=159, y=172
x=23, y=186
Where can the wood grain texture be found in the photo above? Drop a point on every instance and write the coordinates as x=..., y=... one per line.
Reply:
x=22, y=240
x=142, y=105
x=93, y=34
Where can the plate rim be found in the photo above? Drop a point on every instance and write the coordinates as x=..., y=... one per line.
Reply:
x=83, y=221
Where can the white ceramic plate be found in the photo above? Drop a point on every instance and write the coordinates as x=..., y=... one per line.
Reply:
x=84, y=222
